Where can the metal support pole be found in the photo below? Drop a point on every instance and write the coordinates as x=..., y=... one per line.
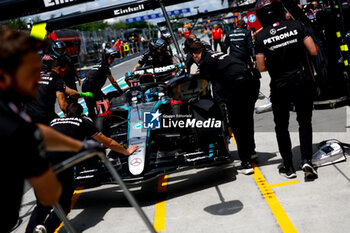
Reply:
x=86, y=155
x=167, y=20
x=127, y=193
x=62, y=216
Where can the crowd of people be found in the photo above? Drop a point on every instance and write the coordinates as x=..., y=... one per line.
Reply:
x=126, y=47
x=30, y=86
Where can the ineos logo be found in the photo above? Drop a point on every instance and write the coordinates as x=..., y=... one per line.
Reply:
x=273, y=31
x=136, y=162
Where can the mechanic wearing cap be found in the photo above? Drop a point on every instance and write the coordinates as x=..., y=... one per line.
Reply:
x=23, y=143
x=77, y=126
x=96, y=79
x=156, y=56
x=231, y=82
x=281, y=49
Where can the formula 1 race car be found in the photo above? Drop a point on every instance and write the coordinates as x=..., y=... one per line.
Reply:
x=177, y=126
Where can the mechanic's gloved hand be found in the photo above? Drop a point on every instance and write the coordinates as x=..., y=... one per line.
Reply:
x=86, y=94
x=91, y=145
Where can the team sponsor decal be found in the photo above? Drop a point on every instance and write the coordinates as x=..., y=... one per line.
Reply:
x=164, y=68
x=252, y=18
x=221, y=55
x=127, y=10
x=136, y=162
x=50, y=3
x=280, y=37
x=263, y=3
x=66, y=120
x=283, y=44
x=273, y=31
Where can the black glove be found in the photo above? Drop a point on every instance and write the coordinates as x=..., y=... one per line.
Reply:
x=91, y=145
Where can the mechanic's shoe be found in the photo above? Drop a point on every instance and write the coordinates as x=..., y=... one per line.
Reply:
x=264, y=108
x=261, y=96
x=309, y=171
x=254, y=155
x=40, y=229
x=287, y=172
x=246, y=169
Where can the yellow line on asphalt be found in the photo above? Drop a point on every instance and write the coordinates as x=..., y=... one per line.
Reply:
x=159, y=215
x=75, y=197
x=271, y=199
x=233, y=136
x=284, y=183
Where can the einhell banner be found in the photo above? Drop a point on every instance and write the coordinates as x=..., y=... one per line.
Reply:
x=10, y=9
x=117, y=10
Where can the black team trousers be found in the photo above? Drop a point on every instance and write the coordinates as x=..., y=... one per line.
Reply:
x=298, y=91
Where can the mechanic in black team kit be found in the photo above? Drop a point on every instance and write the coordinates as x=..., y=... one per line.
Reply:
x=96, y=79
x=240, y=42
x=51, y=87
x=79, y=127
x=188, y=42
x=233, y=86
x=58, y=50
x=281, y=49
x=157, y=55
x=22, y=142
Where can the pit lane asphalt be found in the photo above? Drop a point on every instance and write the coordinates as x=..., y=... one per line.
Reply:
x=220, y=200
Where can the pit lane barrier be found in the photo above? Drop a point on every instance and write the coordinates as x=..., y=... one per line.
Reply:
x=82, y=156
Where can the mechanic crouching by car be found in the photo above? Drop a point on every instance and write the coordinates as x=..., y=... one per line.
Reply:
x=24, y=143
x=281, y=49
x=96, y=79
x=234, y=86
x=157, y=55
x=77, y=126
